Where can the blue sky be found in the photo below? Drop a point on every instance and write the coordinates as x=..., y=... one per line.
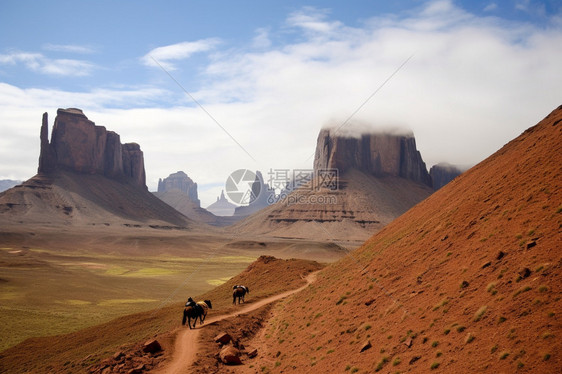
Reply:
x=272, y=74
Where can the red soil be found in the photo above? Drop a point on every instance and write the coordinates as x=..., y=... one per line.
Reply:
x=469, y=280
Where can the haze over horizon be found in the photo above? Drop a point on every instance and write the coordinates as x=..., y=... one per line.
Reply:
x=465, y=77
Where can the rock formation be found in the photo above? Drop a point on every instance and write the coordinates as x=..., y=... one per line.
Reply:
x=261, y=197
x=181, y=182
x=377, y=154
x=222, y=207
x=443, y=173
x=77, y=144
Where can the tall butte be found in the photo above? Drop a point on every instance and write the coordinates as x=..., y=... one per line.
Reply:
x=359, y=185
x=86, y=177
x=77, y=144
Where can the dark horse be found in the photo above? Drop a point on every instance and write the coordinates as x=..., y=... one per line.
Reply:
x=199, y=310
x=239, y=292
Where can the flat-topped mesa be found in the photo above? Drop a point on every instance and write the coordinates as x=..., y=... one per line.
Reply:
x=378, y=154
x=180, y=181
x=79, y=145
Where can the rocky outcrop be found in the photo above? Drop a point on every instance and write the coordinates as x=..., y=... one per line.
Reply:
x=443, y=173
x=181, y=182
x=377, y=154
x=262, y=196
x=77, y=144
x=222, y=207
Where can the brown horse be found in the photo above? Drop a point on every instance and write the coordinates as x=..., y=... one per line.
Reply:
x=239, y=292
x=199, y=310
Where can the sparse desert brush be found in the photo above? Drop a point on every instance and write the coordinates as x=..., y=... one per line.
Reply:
x=521, y=290
x=547, y=334
x=494, y=348
x=442, y=303
x=501, y=319
x=460, y=328
x=469, y=338
x=479, y=313
x=396, y=361
x=435, y=365
x=446, y=331
x=546, y=357
x=543, y=288
x=435, y=343
x=381, y=363
x=503, y=355
x=491, y=288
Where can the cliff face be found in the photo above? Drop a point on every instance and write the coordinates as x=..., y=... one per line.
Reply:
x=79, y=145
x=180, y=181
x=443, y=173
x=374, y=154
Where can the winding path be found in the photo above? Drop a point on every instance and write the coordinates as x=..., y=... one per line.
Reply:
x=186, y=345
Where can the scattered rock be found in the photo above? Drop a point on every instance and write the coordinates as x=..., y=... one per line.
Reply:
x=485, y=265
x=531, y=244
x=445, y=238
x=253, y=352
x=152, y=346
x=230, y=355
x=500, y=255
x=118, y=355
x=369, y=302
x=414, y=359
x=136, y=370
x=524, y=273
x=223, y=338
x=464, y=284
x=366, y=345
x=408, y=342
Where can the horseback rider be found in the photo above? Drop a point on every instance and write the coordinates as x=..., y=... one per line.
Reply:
x=190, y=302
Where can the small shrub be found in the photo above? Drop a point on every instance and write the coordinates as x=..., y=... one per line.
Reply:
x=354, y=370
x=501, y=319
x=381, y=363
x=460, y=328
x=520, y=365
x=479, y=313
x=435, y=343
x=469, y=338
x=435, y=365
x=396, y=361
x=447, y=331
x=546, y=357
x=503, y=355
x=547, y=335
x=521, y=290
x=494, y=348
x=543, y=288
x=438, y=354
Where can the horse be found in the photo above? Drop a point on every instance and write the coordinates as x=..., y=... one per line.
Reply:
x=239, y=292
x=199, y=310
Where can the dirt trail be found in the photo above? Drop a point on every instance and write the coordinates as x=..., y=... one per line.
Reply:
x=186, y=345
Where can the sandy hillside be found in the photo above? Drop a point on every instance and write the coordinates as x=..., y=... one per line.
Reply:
x=469, y=280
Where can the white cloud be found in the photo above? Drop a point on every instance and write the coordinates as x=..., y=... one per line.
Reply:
x=38, y=63
x=168, y=54
x=490, y=7
x=261, y=40
x=69, y=48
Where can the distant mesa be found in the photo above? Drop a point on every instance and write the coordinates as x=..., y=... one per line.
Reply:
x=77, y=144
x=262, y=195
x=222, y=207
x=180, y=192
x=376, y=154
x=379, y=177
x=181, y=182
x=443, y=173
x=6, y=184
